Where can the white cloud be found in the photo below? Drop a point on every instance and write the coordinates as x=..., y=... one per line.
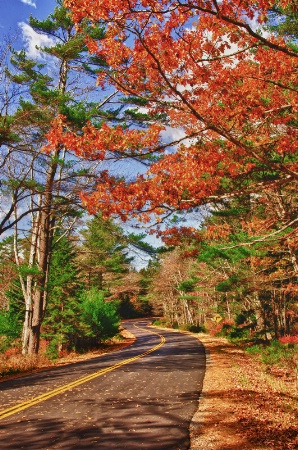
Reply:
x=29, y=3
x=33, y=40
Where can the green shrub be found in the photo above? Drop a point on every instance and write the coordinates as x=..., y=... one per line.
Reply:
x=226, y=329
x=222, y=328
x=238, y=333
x=254, y=350
x=56, y=346
x=100, y=318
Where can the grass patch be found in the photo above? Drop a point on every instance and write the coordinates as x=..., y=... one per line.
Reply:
x=274, y=353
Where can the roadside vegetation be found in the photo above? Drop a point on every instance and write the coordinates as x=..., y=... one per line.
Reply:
x=91, y=287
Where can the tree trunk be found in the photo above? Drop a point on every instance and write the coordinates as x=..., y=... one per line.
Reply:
x=44, y=253
x=228, y=307
x=29, y=285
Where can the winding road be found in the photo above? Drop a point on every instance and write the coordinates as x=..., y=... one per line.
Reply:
x=141, y=397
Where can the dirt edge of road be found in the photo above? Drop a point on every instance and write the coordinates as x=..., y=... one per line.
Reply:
x=241, y=405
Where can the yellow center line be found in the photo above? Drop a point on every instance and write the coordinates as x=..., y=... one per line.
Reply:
x=28, y=403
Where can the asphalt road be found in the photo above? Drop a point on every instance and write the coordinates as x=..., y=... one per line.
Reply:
x=141, y=397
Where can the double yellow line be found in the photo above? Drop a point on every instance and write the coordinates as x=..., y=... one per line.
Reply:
x=41, y=398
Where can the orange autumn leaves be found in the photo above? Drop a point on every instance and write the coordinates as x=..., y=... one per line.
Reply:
x=94, y=143
x=203, y=67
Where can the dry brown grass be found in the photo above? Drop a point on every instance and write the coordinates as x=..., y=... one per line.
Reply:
x=19, y=364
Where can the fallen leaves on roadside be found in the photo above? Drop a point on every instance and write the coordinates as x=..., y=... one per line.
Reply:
x=242, y=405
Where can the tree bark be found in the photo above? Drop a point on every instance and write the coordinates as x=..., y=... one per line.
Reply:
x=44, y=249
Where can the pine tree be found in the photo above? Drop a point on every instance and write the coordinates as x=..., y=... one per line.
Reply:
x=50, y=182
x=104, y=254
x=61, y=325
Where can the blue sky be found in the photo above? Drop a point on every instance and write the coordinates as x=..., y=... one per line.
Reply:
x=14, y=17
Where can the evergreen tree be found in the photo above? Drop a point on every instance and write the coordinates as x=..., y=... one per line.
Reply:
x=8, y=270
x=284, y=22
x=61, y=324
x=104, y=254
x=11, y=317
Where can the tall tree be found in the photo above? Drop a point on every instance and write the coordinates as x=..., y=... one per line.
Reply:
x=46, y=193
x=172, y=287
x=61, y=325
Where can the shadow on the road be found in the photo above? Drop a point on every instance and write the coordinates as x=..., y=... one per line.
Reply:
x=127, y=429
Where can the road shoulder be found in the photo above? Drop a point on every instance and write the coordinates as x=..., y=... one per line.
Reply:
x=241, y=405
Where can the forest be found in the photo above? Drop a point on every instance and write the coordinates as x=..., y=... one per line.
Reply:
x=160, y=131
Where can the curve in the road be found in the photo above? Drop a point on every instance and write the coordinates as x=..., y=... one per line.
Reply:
x=33, y=401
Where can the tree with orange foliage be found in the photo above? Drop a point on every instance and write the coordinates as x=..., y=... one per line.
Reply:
x=208, y=70
x=225, y=81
